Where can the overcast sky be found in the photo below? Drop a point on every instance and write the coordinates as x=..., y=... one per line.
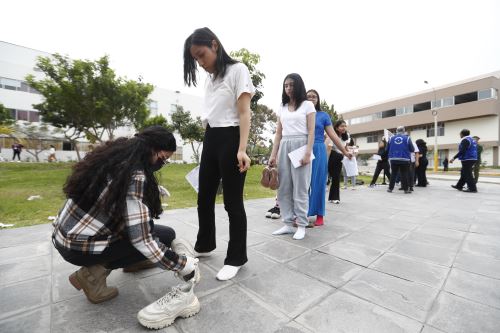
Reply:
x=354, y=53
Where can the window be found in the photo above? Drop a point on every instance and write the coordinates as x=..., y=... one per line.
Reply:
x=389, y=113
x=422, y=107
x=67, y=146
x=173, y=108
x=22, y=115
x=486, y=94
x=371, y=138
x=437, y=104
x=24, y=87
x=430, y=130
x=34, y=116
x=404, y=110
x=466, y=98
x=448, y=101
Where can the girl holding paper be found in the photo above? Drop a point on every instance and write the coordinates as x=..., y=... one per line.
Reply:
x=295, y=130
x=320, y=163
x=226, y=117
x=335, y=161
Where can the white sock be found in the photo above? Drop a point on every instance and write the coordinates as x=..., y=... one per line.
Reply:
x=286, y=229
x=300, y=233
x=227, y=272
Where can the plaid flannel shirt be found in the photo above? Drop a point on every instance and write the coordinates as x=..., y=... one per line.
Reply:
x=88, y=231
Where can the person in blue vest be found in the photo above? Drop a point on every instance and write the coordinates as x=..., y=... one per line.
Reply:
x=399, y=149
x=467, y=154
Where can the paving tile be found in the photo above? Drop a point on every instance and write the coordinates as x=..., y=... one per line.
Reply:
x=482, y=249
x=24, y=252
x=475, y=287
x=425, y=252
x=431, y=229
x=370, y=239
x=387, y=230
x=25, y=270
x=24, y=296
x=218, y=314
x=25, y=235
x=417, y=271
x=436, y=240
x=355, y=253
x=280, y=250
x=478, y=264
x=430, y=329
x=342, y=312
x=452, y=314
x=405, y=297
x=326, y=268
x=32, y=321
x=297, y=294
x=320, y=236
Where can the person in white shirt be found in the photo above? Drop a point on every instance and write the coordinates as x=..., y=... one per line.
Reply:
x=226, y=117
x=52, y=154
x=295, y=128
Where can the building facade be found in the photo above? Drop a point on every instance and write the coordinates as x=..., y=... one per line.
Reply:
x=471, y=104
x=16, y=62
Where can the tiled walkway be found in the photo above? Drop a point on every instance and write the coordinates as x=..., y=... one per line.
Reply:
x=426, y=262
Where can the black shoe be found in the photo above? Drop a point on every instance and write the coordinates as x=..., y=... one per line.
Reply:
x=456, y=187
x=469, y=191
x=389, y=190
x=274, y=210
x=411, y=189
x=400, y=188
x=408, y=192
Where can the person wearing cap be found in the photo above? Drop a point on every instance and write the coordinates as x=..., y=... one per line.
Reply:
x=467, y=154
x=399, y=149
x=477, y=165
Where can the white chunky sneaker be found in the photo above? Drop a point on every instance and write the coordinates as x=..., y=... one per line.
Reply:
x=287, y=229
x=300, y=233
x=179, y=302
x=182, y=246
x=227, y=272
x=191, y=271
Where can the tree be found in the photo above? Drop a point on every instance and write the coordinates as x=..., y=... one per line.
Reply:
x=157, y=120
x=32, y=136
x=334, y=116
x=87, y=99
x=191, y=130
x=251, y=60
x=263, y=119
x=6, y=120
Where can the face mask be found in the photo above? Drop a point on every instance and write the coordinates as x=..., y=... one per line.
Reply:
x=158, y=164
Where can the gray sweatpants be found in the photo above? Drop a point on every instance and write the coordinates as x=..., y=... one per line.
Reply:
x=293, y=191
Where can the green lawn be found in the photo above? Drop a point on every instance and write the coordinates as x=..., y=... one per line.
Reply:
x=18, y=181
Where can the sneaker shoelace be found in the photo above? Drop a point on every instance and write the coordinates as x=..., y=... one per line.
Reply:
x=174, y=293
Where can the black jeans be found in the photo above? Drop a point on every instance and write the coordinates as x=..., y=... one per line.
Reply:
x=335, y=169
x=411, y=175
x=466, y=176
x=421, y=172
x=218, y=160
x=381, y=165
x=18, y=154
x=121, y=253
x=402, y=169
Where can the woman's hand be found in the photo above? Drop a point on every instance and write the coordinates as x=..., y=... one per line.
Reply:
x=306, y=159
x=272, y=161
x=243, y=161
x=348, y=155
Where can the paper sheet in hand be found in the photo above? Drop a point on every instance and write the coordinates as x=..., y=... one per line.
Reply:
x=298, y=154
x=193, y=178
x=376, y=157
x=351, y=166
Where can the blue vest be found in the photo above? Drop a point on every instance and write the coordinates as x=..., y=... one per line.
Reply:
x=399, y=148
x=471, y=152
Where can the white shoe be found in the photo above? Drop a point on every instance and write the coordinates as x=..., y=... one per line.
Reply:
x=300, y=233
x=284, y=230
x=182, y=246
x=336, y=201
x=179, y=302
x=191, y=271
x=353, y=188
x=227, y=272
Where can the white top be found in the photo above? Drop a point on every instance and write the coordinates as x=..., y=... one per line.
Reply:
x=344, y=142
x=295, y=122
x=52, y=150
x=221, y=96
x=412, y=155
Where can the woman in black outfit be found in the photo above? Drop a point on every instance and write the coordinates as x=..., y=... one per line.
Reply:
x=382, y=164
x=335, y=161
x=422, y=163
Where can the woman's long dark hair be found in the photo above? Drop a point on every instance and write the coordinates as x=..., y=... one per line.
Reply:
x=115, y=162
x=204, y=37
x=343, y=136
x=299, y=90
x=317, y=106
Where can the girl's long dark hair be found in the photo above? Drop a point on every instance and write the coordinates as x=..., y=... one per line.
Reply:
x=204, y=37
x=115, y=162
x=317, y=106
x=343, y=136
x=299, y=90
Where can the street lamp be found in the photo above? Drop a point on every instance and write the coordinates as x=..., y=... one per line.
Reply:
x=435, y=114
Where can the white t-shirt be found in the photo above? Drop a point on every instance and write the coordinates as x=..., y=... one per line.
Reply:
x=295, y=122
x=412, y=155
x=221, y=96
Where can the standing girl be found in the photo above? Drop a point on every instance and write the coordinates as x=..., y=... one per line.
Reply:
x=226, y=116
x=320, y=163
x=295, y=128
x=335, y=161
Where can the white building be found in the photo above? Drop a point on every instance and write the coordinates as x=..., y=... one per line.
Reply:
x=16, y=62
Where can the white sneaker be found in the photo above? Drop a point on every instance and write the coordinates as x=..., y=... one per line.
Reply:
x=300, y=233
x=284, y=230
x=336, y=201
x=182, y=246
x=191, y=272
x=179, y=302
x=227, y=272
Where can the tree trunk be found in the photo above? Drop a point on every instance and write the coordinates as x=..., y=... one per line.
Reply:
x=195, y=153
